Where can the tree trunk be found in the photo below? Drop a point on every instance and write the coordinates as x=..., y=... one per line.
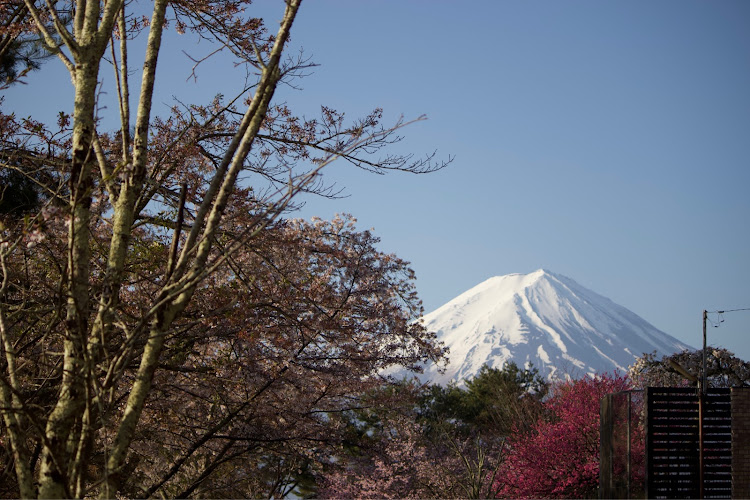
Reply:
x=65, y=420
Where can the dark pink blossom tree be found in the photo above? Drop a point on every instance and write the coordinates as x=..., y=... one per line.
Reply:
x=559, y=456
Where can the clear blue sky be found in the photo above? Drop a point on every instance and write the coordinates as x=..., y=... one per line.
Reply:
x=608, y=141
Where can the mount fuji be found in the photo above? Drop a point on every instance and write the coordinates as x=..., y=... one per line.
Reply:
x=543, y=318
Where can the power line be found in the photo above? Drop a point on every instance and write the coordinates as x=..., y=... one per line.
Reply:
x=729, y=310
x=719, y=315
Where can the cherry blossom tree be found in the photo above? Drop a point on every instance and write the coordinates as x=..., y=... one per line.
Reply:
x=151, y=333
x=723, y=369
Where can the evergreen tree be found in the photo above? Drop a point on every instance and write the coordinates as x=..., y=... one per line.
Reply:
x=494, y=402
x=21, y=50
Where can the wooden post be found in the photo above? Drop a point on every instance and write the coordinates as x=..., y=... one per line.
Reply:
x=630, y=395
x=700, y=442
x=605, y=450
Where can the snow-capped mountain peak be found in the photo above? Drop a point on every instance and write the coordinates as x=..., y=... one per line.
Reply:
x=542, y=318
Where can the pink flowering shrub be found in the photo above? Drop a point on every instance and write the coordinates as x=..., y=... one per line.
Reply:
x=559, y=456
x=403, y=468
x=408, y=465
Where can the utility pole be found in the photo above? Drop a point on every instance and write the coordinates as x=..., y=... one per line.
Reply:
x=701, y=397
x=704, y=379
x=703, y=387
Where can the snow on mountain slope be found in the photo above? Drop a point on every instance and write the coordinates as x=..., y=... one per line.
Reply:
x=549, y=320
